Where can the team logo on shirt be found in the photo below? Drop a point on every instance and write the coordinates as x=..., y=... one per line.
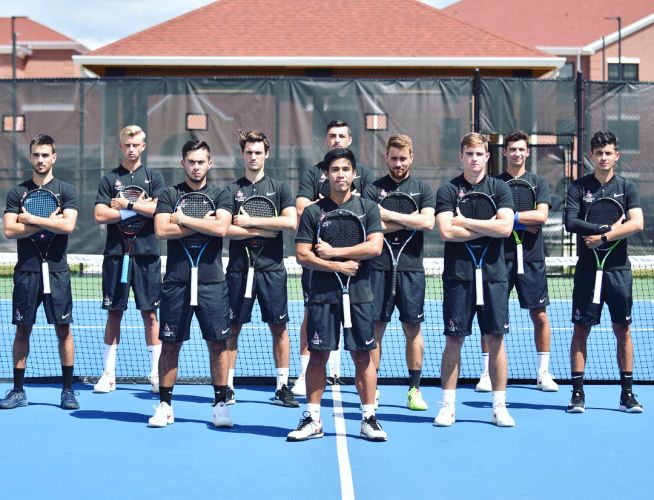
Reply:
x=383, y=194
x=167, y=331
x=118, y=185
x=323, y=177
x=239, y=196
x=462, y=193
x=107, y=301
x=588, y=197
x=316, y=340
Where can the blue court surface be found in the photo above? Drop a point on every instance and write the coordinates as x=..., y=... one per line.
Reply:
x=105, y=449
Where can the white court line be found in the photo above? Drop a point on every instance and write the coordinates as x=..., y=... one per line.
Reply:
x=344, y=469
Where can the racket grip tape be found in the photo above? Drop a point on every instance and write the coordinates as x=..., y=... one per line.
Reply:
x=194, y=286
x=124, y=270
x=347, y=313
x=394, y=281
x=479, y=287
x=597, y=291
x=249, y=282
x=45, y=273
x=520, y=259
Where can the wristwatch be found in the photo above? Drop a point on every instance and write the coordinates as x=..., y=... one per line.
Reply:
x=604, y=239
x=130, y=206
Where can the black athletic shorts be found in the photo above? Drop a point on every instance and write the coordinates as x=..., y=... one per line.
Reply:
x=269, y=288
x=144, y=278
x=28, y=295
x=531, y=286
x=212, y=312
x=324, y=327
x=459, y=308
x=616, y=292
x=306, y=285
x=409, y=298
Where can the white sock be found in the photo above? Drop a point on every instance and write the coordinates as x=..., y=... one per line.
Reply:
x=282, y=377
x=543, y=361
x=449, y=395
x=499, y=397
x=304, y=362
x=314, y=411
x=484, y=362
x=335, y=363
x=154, y=352
x=230, y=378
x=368, y=410
x=109, y=358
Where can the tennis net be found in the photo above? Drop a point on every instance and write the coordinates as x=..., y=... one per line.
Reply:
x=255, y=361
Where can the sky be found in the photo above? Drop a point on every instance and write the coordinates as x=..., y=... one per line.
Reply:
x=95, y=23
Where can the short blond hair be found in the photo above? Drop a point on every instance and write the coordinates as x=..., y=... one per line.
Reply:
x=473, y=139
x=132, y=131
x=399, y=141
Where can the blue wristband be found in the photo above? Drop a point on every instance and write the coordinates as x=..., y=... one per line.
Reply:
x=516, y=225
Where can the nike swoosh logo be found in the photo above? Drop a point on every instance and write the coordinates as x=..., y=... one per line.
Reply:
x=507, y=325
x=627, y=318
x=361, y=216
x=618, y=195
x=157, y=302
x=368, y=342
x=270, y=194
x=542, y=300
x=224, y=331
x=282, y=316
x=414, y=194
x=65, y=316
x=147, y=181
x=421, y=315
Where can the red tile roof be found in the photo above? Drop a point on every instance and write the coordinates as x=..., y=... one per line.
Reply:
x=29, y=31
x=551, y=23
x=297, y=28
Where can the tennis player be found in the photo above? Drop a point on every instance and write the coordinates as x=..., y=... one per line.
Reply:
x=212, y=311
x=325, y=300
x=410, y=291
x=617, y=279
x=459, y=307
x=532, y=285
x=144, y=277
x=313, y=185
x=28, y=281
x=269, y=286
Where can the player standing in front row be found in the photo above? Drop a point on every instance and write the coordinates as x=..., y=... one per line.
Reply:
x=460, y=276
x=531, y=285
x=326, y=303
x=256, y=197
x=400, y=228
x=616, y=281
x=212, y=309
x=29, y=283
x=143, y=264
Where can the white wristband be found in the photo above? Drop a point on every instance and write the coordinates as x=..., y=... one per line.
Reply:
x=126, y=214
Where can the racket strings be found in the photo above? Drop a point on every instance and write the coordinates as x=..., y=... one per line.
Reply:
x=477, y=207
x=258, y=208
x=197, y=206
x=342, y=232
x=40, y=204
x=523, y=197
x=399, y=204
x=132, y=193
x=604, y=212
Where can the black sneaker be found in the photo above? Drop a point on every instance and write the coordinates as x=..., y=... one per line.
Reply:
x=578, y=402
x=231, y=396
x=68, y=400
x=284, y=397
x=629, y=403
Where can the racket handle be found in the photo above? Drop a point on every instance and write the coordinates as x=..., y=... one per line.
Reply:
x=194, y=286
x=45, y=272
x=249, y=282
x=598, y=286
x=519, y=258
x=124, y=269
x=394, y=281
x=347, y=315
x=479, y=287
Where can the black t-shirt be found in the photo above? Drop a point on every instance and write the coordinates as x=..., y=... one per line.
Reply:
x=581, y=194
x=29, y=259
x=532, y=245
x=272, y=255
x=458, y=264
x=313, y=178
x=423, y=195
x=178, y=267
x=111, y=185
x=324, y=285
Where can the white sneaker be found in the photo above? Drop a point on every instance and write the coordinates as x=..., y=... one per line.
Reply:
x=106, y=383
x=372, y=430
x=163, y=416
x=154, y=385
x=445, y=416
x=501, y=416
x=221, y=416
x=308, y=428
x=545, y=382
x=300, y=386
x=484, y=384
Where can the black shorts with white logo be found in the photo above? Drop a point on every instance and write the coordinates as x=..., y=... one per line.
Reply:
x=531, y=286
x=28, y=295
x=409, y=297
x=324, y=327
x=176, y=312
x=616, y=292
x=144, y=278
x=459, y=308
x=269, y=288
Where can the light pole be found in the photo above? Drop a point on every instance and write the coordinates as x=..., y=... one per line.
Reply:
x=619, y=19
x=14, y=89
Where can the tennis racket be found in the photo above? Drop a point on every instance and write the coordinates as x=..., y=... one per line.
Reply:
x=42, y=203
x=397, y=241
x=603, y=211
x=196, y=205
x=342, y=228
x=478, y=206
x=524, y=198
x=130, y=228
x=255, y=206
